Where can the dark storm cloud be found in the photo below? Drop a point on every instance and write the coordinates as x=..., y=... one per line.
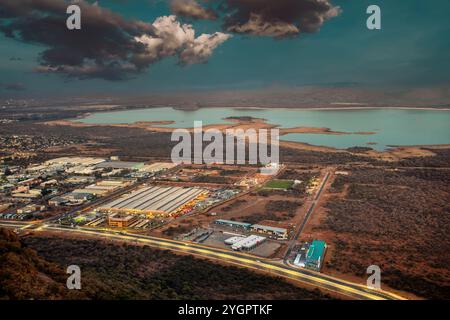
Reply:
x=107, y=46
x=280, y=18
x=273, y=18
x=106, y=40
x=191, y=9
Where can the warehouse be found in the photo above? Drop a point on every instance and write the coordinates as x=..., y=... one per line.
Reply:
x=233, y=224
x=315, y=255
x=233, y=240
x=155, y=200
x=121, y=221
x=279, y=232
x=157, y=167
x=248, y=243
x=80, y=161
x=104, y=187
x=120, y=165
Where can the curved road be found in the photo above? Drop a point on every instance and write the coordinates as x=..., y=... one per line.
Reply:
x=278, y=268
x=352, y=290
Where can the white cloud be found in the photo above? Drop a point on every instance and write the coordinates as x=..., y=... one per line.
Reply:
x=202, y=47
x=171, y=38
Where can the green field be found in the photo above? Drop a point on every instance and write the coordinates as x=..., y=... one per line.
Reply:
x=279, y=184
x=79, y=219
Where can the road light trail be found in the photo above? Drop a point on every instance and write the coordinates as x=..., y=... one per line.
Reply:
x=354, y=291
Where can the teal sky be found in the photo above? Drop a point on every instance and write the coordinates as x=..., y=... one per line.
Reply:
x=412, y=49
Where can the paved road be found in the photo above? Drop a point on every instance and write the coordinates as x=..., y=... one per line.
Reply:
x=279, y=268
x=352, y=290
x=305, y=220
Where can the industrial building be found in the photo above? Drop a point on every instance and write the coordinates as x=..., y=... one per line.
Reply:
x=75, y=161
x=57, y=201
x=31, y=208
x=300, y=258
x=99, y=189
x=315, y=255
x=120, y=165
x=79, y=180
x=233, y=240
x=76, y=165
x=78, y=197
x=233, y=224
x=157, y=167
x=245, y=243
x=104, y=187
x=121, y=221
x=273, y=231
x=155, y=200
x=30, y=194
x=279, y=232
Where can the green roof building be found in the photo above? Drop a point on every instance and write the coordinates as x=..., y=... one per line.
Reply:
x=315, y=255
x=233, y=224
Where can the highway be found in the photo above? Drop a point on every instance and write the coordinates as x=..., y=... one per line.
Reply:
x=277, y=268
x=315, y=279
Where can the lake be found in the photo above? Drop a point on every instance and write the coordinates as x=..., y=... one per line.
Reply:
x=392, y=127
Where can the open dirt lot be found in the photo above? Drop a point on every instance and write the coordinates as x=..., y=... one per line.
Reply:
x=396, y=219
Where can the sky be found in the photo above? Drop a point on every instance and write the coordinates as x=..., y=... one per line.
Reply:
x=145, y=46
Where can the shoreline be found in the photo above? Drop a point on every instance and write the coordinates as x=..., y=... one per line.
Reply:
x=254, y=123
x=337, y=108
x=394, y=153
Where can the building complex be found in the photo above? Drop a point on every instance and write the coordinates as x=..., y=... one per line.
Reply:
x=155, y=200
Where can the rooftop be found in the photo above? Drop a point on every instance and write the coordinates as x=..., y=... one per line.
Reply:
x=120, y=165
x=233, y=222
x=120, y=217
x=269, y=228
x=316, y=250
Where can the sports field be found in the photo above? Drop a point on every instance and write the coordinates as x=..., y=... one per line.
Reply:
x=279, y=184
